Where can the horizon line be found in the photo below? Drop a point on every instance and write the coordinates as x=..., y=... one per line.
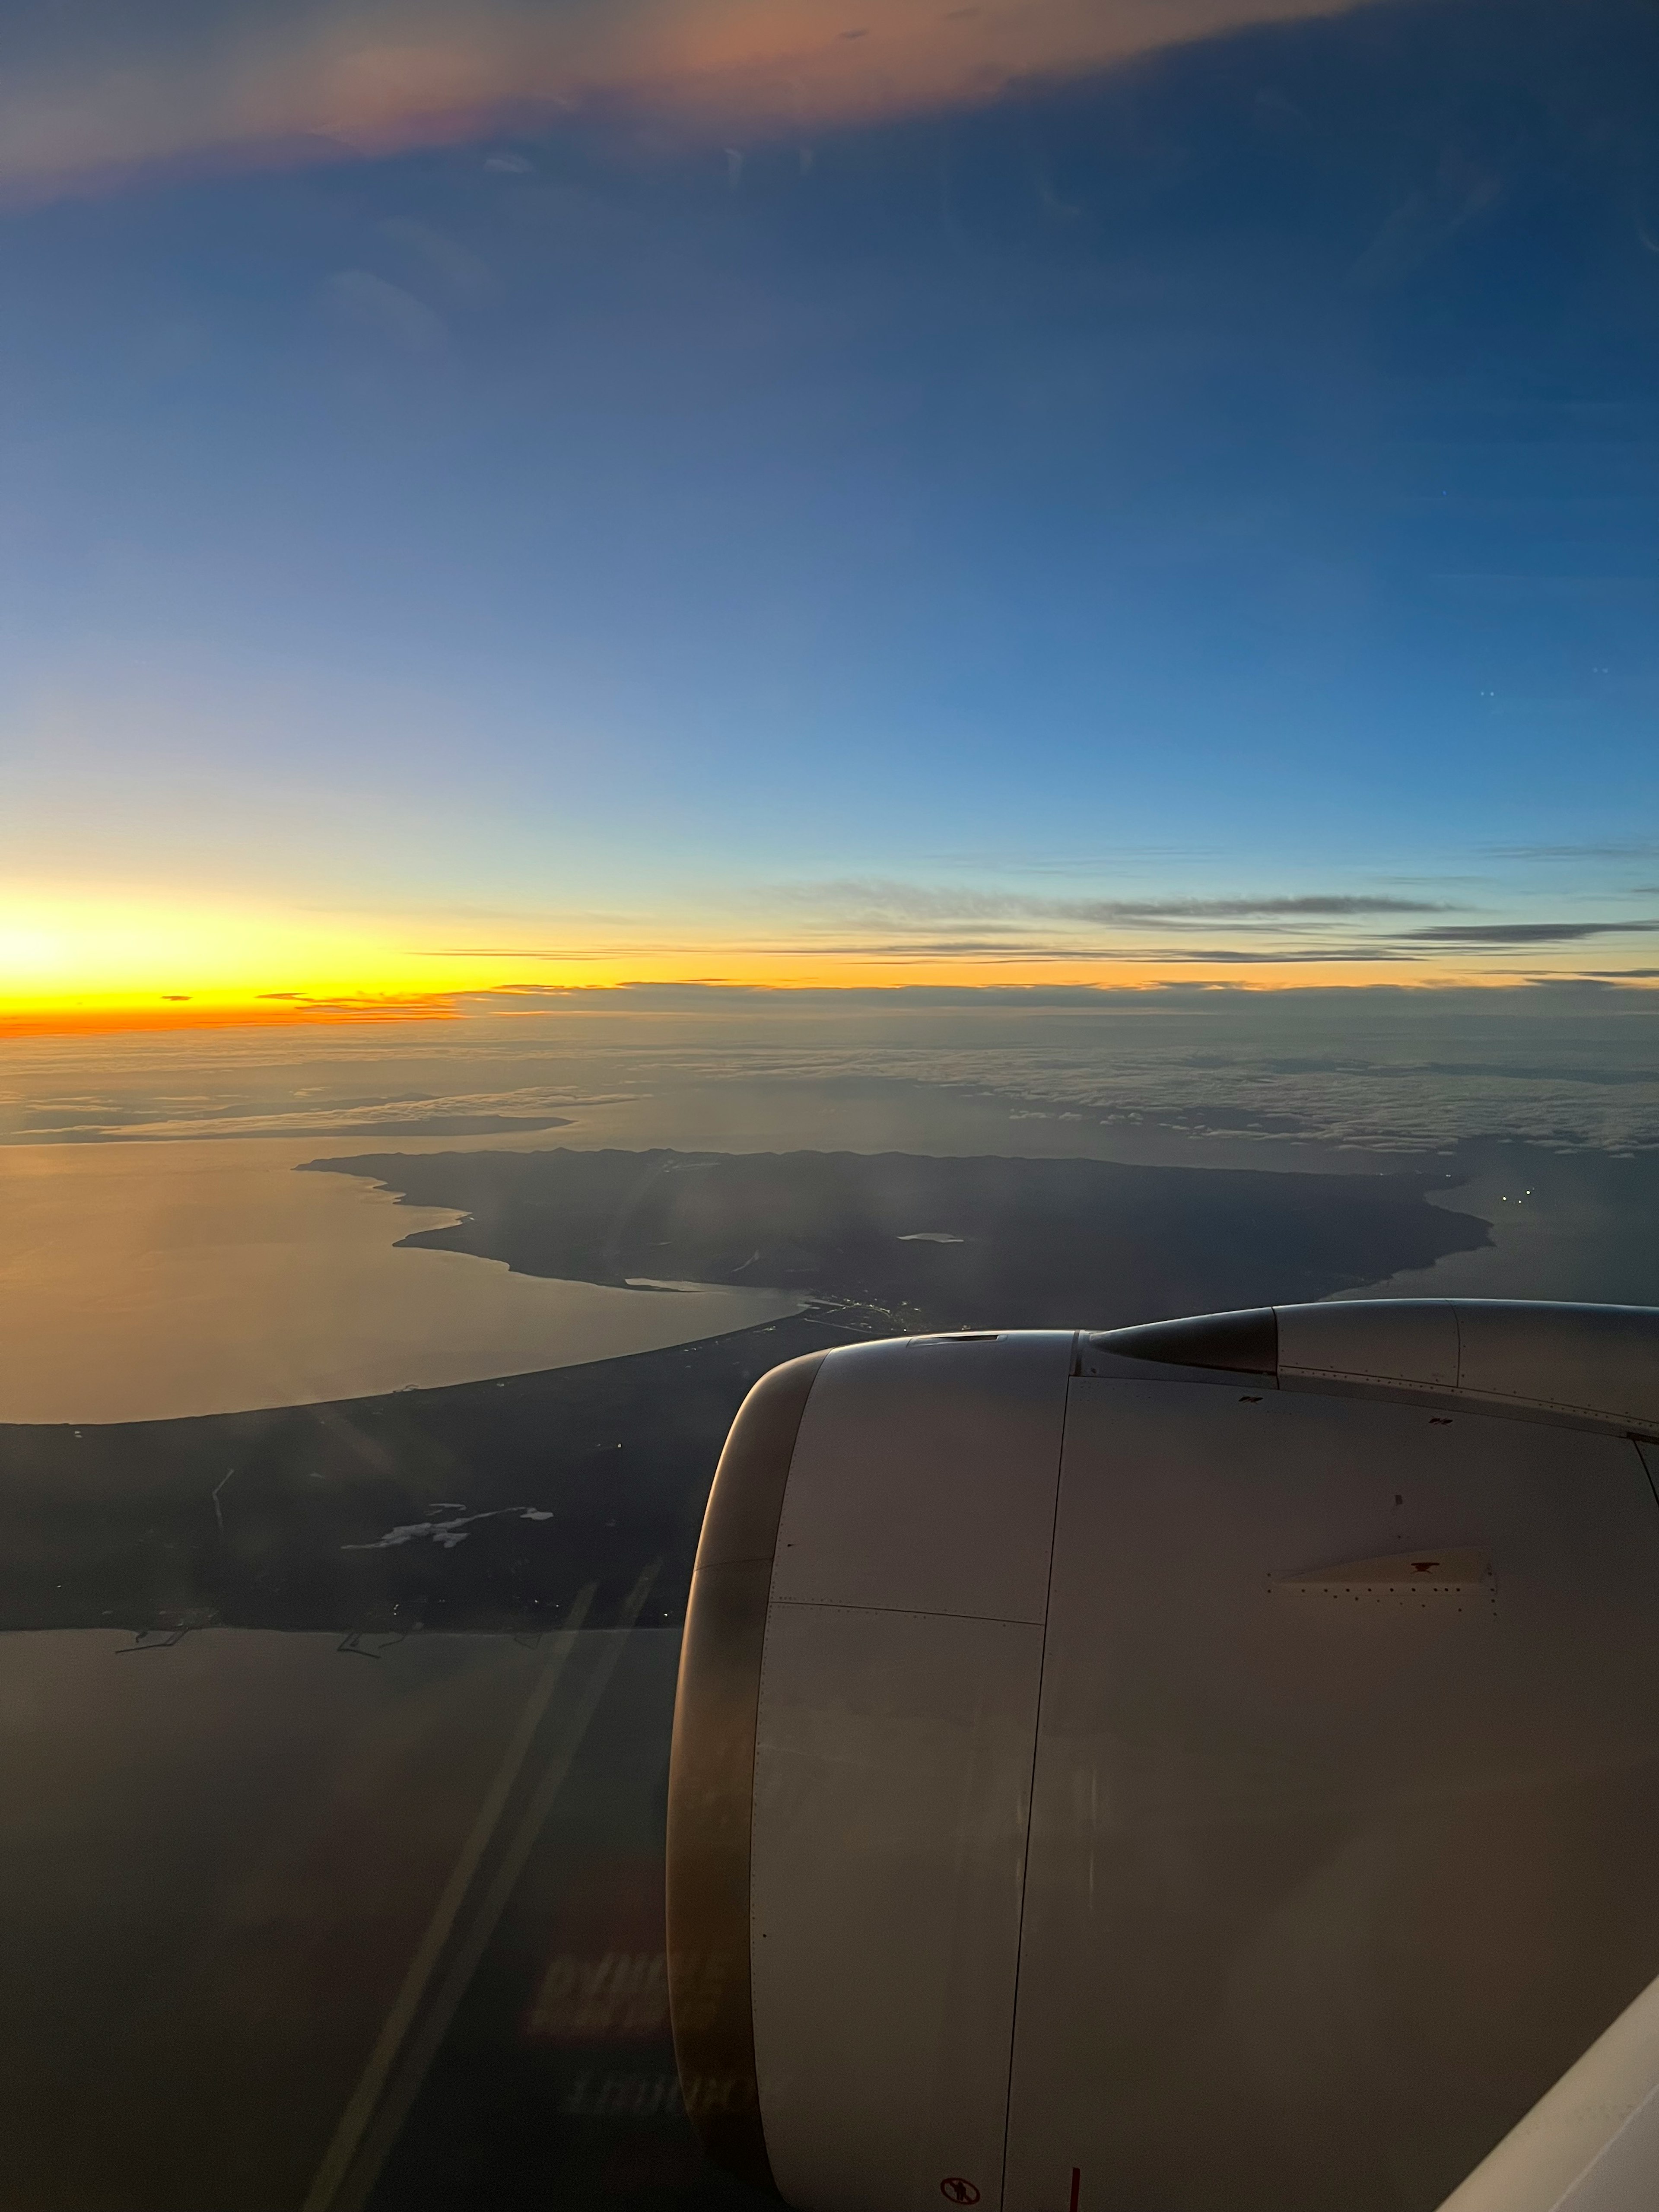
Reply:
x=264, y=1011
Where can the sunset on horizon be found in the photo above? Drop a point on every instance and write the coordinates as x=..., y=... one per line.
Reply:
x=951, y=530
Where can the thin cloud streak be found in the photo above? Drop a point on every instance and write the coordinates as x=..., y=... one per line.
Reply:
x=1190, y=956
x=522, y=952
x=888, y=922
x=1028, y=948
x=1525, y=932
x=1624, y=848
x=893, y=902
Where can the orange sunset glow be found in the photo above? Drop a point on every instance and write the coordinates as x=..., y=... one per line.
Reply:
x=88, y=969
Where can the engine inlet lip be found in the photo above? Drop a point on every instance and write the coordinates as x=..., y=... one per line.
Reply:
x=711, y=1776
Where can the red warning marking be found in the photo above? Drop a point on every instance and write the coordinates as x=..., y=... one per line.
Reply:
x=955, y=2191
x=1077, y=2183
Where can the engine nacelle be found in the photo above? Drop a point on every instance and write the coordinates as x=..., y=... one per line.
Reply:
x=1212, y=1767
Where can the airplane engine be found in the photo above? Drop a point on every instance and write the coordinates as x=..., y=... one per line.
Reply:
x=1206, y=1767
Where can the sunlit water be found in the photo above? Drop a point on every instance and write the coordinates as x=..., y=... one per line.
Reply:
x=1563, y=1225
x=150, y=1281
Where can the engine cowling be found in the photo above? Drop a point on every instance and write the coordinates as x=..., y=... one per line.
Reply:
x=1213, y=1765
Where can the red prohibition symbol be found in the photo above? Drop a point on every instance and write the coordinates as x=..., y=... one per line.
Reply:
x=955, y=2191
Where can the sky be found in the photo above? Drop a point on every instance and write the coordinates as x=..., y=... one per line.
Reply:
x=512, y=497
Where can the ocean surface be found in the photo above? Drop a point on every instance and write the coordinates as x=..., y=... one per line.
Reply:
x=151, y=1281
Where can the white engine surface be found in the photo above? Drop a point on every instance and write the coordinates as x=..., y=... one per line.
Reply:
x=1190, y=1787
x=898, y=1712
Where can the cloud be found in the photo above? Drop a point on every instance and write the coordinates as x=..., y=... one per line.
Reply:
x=931, y=903
x=1033, y=948
x=1289, y=956
x=369, y=306
x=1522, y=933
x=879, y=920
x=522, y=952
x=1617, y=848
x=453, y=270
x=106, y=87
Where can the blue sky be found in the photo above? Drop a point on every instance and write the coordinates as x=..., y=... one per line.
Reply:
x=1225, y=477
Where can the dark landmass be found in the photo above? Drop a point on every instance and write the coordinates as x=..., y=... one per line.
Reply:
x=277, y=1519
x=1043, y=1243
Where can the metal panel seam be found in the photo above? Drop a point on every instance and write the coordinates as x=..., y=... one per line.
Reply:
x=1031, y=1787
x=1612, y=1416
x=755, y=1937
x=1637, y=1445
x=903, y=1613
x=1581, y=1420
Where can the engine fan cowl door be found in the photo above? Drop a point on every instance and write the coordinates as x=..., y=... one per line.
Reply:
x=897, y=1727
